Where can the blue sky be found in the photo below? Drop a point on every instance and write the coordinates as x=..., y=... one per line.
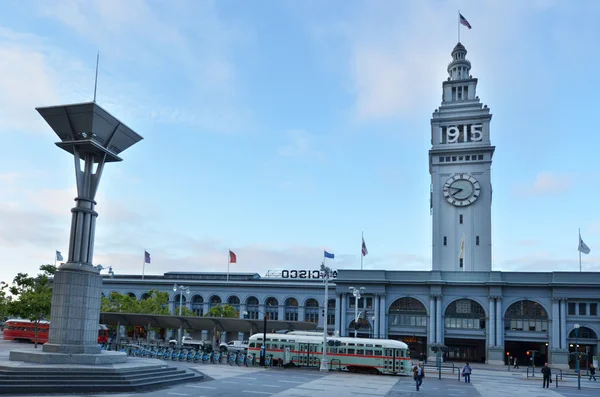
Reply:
x=278, y=129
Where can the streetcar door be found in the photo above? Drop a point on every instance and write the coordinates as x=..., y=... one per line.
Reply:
x=394, y=367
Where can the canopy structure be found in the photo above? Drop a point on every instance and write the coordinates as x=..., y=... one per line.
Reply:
x=202, y=323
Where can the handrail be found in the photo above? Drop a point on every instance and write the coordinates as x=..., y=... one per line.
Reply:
x=339, y=363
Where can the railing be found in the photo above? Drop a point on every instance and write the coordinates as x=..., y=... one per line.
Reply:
x=445, y=368
x=339, y=364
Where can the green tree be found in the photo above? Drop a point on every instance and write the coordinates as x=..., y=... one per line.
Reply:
x=155, y=303
x=32, y=297
x=5, y=300
x=222, y=311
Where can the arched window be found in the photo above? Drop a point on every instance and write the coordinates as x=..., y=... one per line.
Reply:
x=252, y=308
x=331, y=312
x=272, y=308
x=408, y=312
x=465, y=314
x=235, y=302
x=104, y=296
x=132, y=295
x=584, y=333
x=198, y=305
x=526, y=315
x=144, y=296
x=215, y=300
x=311, y=311
x=291, y=309
x=176, y=301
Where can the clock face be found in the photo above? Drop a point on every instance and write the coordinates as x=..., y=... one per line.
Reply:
x=461, y=190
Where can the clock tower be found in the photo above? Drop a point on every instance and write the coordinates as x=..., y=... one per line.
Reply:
x=460, y=162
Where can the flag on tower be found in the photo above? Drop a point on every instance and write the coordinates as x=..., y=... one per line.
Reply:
x=463, y=21
x=583, y=246
x=364, y=248
x=59, y=256
x=328, y=255
x=147, y=257
x=232, y=257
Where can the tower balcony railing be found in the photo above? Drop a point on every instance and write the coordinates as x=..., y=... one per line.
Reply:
x=464, y=61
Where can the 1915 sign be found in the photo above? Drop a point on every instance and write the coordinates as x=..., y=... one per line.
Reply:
x=461, y=133
x=305, y=274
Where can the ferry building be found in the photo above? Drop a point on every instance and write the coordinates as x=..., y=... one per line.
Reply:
x=480, y=315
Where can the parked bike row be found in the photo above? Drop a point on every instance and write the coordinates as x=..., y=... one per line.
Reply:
x=188, y=354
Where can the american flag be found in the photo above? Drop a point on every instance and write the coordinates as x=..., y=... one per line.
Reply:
x=463, y=21
x=364, y=248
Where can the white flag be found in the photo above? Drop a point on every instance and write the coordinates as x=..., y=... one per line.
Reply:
x=583, y=246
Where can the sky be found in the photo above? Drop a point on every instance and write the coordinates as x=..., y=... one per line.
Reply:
x=278, y=129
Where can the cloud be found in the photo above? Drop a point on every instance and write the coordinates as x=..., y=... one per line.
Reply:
x=301, y=145
x=189, y=36
x=547, y=183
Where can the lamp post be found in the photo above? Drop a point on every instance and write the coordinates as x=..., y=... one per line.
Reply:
x=183, y=289
x=576, y=326
x=263, y=348
x=357, y=292
x=94, y=137
x=326, y=271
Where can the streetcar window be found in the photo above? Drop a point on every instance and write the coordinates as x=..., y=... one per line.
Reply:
x=252, y=344
x=378, y=345
x=369, y=353
x=350, y=351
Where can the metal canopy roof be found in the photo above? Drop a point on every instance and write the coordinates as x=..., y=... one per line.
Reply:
x=202, y=323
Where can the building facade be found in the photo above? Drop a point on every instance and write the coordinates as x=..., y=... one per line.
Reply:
x=478, y=314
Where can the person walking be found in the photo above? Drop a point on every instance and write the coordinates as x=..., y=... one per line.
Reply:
x=516, y=363
x=419, y=373
x=466, y=373
x=592, y=372
x=547, y=376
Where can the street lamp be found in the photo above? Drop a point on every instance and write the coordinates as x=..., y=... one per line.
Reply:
x=183, y=289
x=263, y=349
x=326, y=271
x=576, y=326
x=357, y=292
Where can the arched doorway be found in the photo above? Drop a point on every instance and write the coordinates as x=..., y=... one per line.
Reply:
x=311, y=310
x=408, y=323
x=526, y=330
x=584, y=341
x=272, y=308
x=464, y=331
x=291, y=309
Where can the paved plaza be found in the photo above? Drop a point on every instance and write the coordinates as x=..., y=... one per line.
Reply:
x=222, y=380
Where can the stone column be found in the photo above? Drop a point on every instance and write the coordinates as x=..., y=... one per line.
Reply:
x=377, y=314
x=338, y=309
x=491, y=325
x=499, y=323
x=439, y=322
x=555, y=340
x=302, y=313
x=431, y=326
x=383, y=328
x=344, y=325
x=563, y=324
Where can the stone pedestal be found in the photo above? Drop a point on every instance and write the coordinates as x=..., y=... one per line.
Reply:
x=559, y=359
x=495, y=355
x=75, y=310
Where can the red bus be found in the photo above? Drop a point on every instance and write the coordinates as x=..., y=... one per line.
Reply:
x=24, y=331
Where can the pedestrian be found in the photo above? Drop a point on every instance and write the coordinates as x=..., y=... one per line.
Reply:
x=547, y=376
x=418, y=374
x=516, y=363
x=466, y=373
x=592, y=372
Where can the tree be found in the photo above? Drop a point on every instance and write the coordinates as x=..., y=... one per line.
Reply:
x=5, y=300
x=32, y=297
x=155, y=303
x=222, y=311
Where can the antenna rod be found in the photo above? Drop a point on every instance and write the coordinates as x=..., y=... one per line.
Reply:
x=96, y=81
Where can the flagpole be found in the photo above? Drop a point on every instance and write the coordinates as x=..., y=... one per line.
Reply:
x=144, y=265
x=361, y=250
x=579, y=250
x=228, y=263
x=459, y=26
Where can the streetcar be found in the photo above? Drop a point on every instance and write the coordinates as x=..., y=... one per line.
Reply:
x=24, y=331
x=302, y=348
